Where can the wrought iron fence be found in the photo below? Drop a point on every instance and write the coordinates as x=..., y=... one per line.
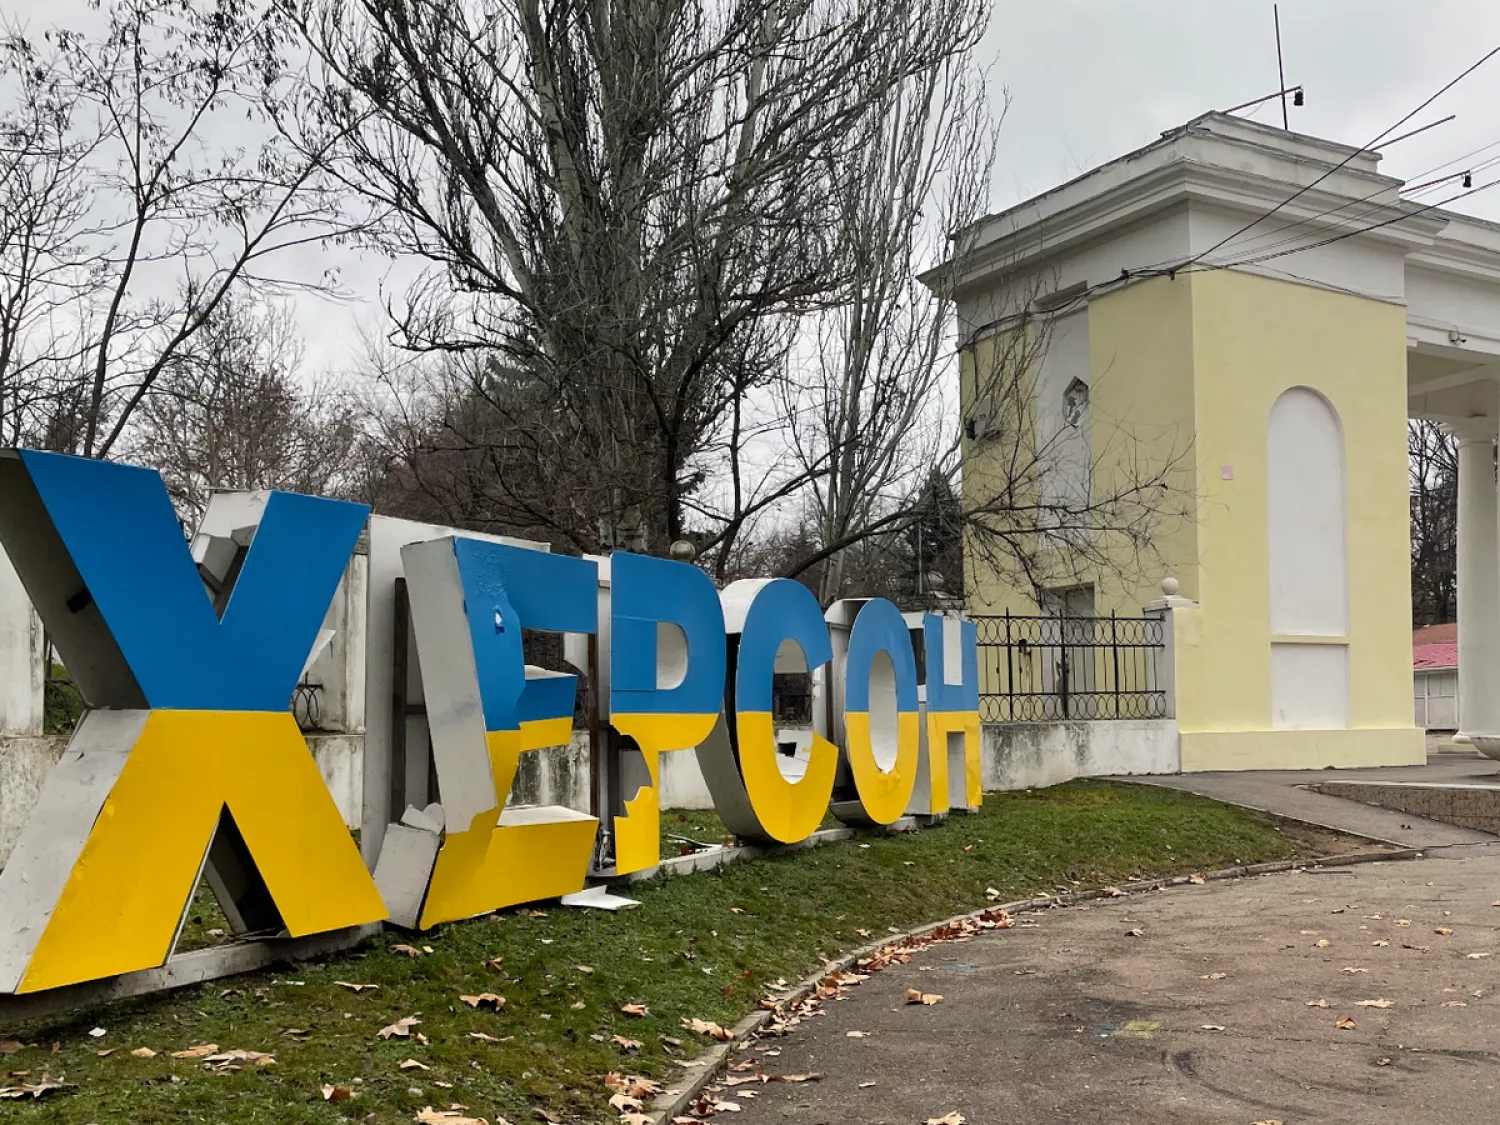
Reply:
x=1041, y=669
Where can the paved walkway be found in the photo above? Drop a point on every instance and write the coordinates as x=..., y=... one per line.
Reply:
x=1280, y=792
x=1068, y=1018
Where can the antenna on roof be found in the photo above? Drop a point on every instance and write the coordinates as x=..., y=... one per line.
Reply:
x=1281, y=70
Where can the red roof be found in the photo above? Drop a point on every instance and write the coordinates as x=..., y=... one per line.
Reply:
x=1435, y=656
x=1435, y=635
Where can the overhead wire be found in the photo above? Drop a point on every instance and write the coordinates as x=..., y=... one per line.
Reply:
x=1342, y=163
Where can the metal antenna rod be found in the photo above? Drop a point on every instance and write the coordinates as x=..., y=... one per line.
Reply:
x=1280, y=70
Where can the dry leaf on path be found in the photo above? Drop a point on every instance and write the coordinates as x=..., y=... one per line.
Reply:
x=916, y=996
x=1374, y=1004
x=1380, y=943
x=1197, y=880
x=856, y=1034
x=954, y=1118
x=638, y=1119
x=484, y=1000
x=1345, y=1024
x=429, y=1116
x=1135, y=933
x=1322, y=943
x=401, y=1029
x=635, y=1009
x=201, y=1051
x=1317, y=1003
x=1444, y=931
x=632, y=1085
x=1214, y=976
x=356, y=987
x=1455, y=1003
x=337, y=1093
x=794, y=1078
x=1352, y=969
x=706, y=1027
x=1477, y=956
x=624, y=1103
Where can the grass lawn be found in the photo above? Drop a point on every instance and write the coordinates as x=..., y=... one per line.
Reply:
x=702, y=946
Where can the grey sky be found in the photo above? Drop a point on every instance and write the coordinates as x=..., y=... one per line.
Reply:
x=1092, y=79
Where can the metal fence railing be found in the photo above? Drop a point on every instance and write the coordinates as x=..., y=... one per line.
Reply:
x=1042, y=669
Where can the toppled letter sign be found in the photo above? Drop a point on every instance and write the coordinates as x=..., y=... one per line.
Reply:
x=189, y=761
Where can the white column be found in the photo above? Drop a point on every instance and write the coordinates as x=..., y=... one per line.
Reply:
x=1478, y=585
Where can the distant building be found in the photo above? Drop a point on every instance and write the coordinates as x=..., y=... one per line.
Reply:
x=1434, y=662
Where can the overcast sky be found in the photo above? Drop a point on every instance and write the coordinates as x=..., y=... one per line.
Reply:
x=1090, y=80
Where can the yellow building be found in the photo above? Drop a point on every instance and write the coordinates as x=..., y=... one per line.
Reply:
x=1209, y=350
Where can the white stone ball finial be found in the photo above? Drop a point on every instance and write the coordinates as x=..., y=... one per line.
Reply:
x=1170, y=586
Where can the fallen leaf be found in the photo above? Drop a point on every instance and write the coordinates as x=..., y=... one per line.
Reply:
x=916, y=996
x=1383, y=1060
x=538, y=914
x=635, y=1010
x=9, y=1047
x=1197, y=880
x=409, y=950
x=105, y=1053
x=1213, y=1027
x=420, y=1038
x=736, y=910
x=856, y=1034
x=429, y=1116
x=623, y=1103
x=483, y=1038
x=1477, y=956
x=705, y=1027
x=45, y=1085
x=484, y=1000
x=401, y=1029
x=1322, y=943
x=1317, y=1003
x=1403, y=921
x=1345, y=1024
x=578, y=1005
x=954, y=1118
x=1215, y=976
x=627, y=1044
x=794, y=1078
x=640, y=1119
x=201, y=1051
x=495, y=964
x=1380, y=943
x=584, y=968
x=412, y=1064
x=229, y=1061
x=632, y=1085
x=337, y=1093
x=1373, y=1004
x=1444, y=931
x=144, y=1053
x=865, y=1085
x=1455, y=1003
x=1351, y=969
x=1135, y=933
x=356, y=987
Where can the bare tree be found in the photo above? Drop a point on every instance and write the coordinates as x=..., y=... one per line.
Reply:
x=1432, y=459
x=230, y=412
x=144, y=185
x=636, y=202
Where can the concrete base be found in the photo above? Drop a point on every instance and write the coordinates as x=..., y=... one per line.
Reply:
x=24, y=766
x=1033, y=755
x=1302, y=749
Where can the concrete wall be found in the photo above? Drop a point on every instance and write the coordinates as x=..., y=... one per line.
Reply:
x=22, y=662
x=1033, y=755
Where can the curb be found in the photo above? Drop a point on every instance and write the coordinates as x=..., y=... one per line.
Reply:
x=699, y=1072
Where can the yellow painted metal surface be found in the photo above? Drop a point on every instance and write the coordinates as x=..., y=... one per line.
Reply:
x=638, y=832
x=883, y=794
x=940, y=724
x=491, y=864
x=125, y=899
x=789, y=811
